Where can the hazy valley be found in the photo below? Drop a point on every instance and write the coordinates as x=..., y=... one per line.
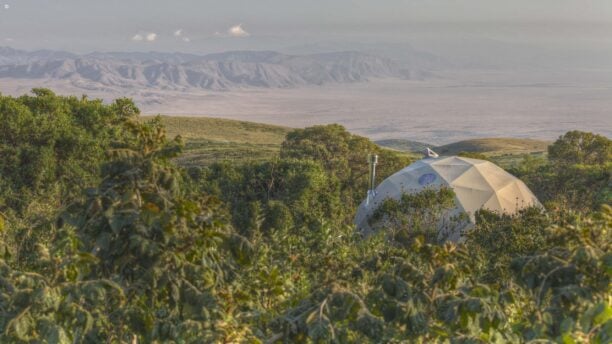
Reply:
x=417, y=96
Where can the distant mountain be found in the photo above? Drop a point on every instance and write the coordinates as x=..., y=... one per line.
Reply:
x=176, y=71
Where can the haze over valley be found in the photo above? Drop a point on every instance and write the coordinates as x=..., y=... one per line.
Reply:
x=421, y=97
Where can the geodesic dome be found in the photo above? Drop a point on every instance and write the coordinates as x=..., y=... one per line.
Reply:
x=478, y=184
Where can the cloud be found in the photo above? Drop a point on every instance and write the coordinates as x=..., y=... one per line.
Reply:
x=7, y=6
x=144, y=36
x=8, y=39
x=179, y=34
x=151, y=37
x=237, y=31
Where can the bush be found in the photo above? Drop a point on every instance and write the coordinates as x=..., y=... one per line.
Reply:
x=343, y=156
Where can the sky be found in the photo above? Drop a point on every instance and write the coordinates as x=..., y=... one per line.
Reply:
x=208, y=26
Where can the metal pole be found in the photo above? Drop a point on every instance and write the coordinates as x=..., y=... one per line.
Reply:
x=372, y=161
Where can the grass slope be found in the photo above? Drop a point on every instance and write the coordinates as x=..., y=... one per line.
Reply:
x=488, y=146
x=495, y=146
x=210, y=140
x=223, y=130
x=404, y=145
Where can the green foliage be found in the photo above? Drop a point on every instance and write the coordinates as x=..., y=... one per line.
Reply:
x=104, y=239
x=578, y=175
x=46, y=140
x=255, y=190
x=431, y=293
x=343, y=155
x=322, y=174
x=164, y=251
x=135, y=239
x=423, y=214
x=51, y=147
x=504, y=237
x=577, y=147
x=59, y=304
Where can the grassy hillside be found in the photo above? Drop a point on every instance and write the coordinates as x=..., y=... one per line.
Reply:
x=506, y=152
x=487, y=146
x=404, y=145
x=495, y=146
x=223, y=130
x=213, y=139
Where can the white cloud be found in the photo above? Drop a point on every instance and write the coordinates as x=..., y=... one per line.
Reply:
x=9, y=39
x=144, y=36
x=237, y=31
x=179, y=35
x=7, y=6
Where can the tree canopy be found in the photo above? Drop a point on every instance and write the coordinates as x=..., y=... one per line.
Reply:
x=577, y=147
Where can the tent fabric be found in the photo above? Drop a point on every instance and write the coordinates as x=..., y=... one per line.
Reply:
x=478, y=184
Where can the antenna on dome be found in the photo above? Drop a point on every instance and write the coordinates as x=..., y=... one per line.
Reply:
x=430, y=154
x=372, y=161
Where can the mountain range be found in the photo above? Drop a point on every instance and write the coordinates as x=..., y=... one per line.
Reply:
x=218, y=72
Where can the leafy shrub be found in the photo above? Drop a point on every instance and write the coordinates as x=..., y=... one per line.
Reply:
x=301, y=185
x=423, y=214
x=342, y=155
x=577, y=147
x=46, y=140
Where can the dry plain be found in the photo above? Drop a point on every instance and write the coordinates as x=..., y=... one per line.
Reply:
x=448, y=107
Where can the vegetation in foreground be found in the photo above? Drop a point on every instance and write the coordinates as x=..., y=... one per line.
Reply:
x=103, y=238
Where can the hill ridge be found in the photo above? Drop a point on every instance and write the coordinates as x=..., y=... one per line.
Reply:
x=217, y=72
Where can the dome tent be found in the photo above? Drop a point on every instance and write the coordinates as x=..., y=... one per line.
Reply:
x=478, y=184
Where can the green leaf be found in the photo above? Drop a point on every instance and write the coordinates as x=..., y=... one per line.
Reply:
x=604, y=315
x=567, y=339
